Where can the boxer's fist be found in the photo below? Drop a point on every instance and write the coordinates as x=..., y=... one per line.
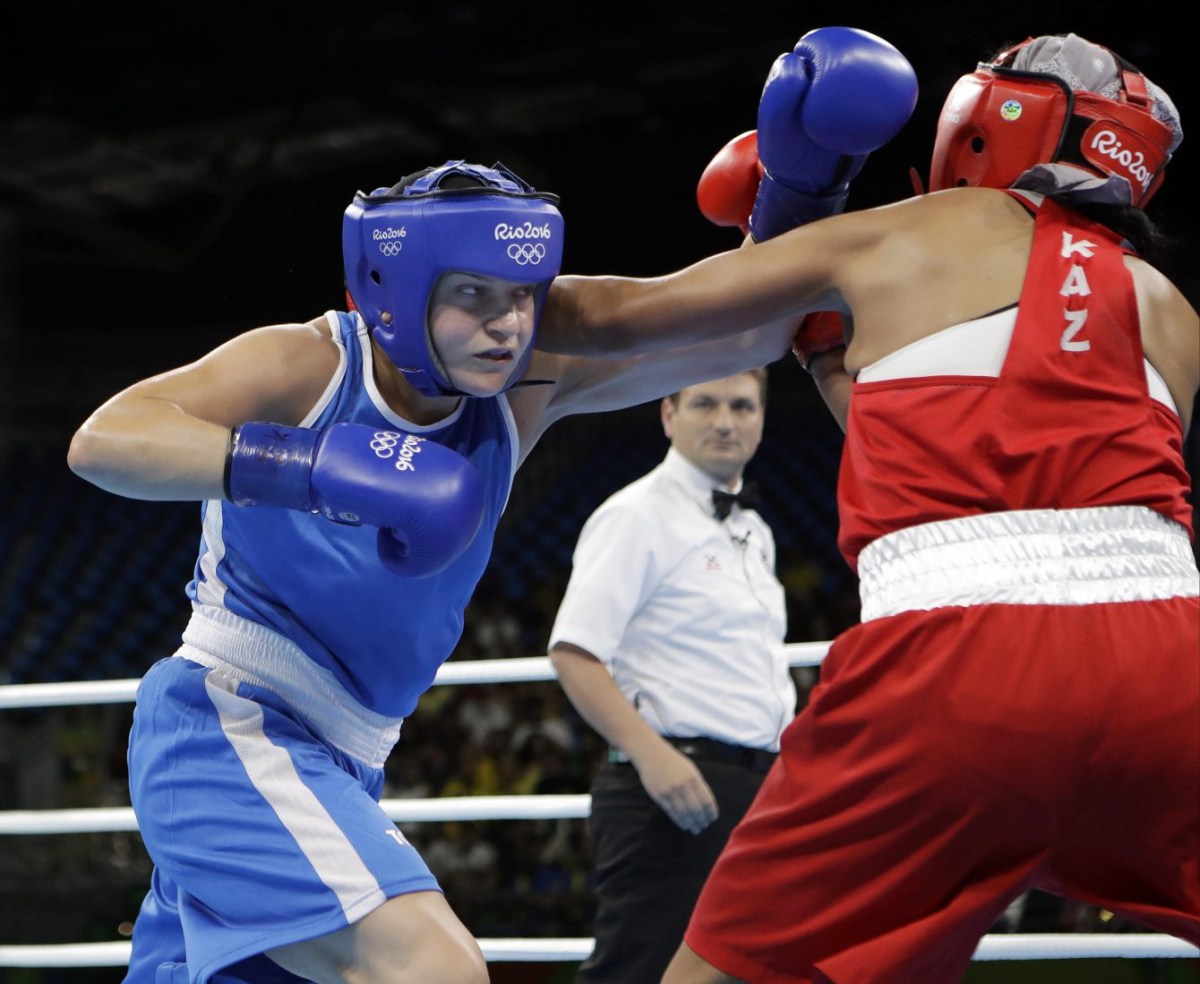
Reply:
x=426, y=499
x=825, y=106
x=819, y=332
x=729, y=184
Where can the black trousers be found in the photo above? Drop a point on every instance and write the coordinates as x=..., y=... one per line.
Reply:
x=648, y=871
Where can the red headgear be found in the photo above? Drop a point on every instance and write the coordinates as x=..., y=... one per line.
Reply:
x=998, y=122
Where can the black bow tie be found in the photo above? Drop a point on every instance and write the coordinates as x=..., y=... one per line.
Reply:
x=723, y=501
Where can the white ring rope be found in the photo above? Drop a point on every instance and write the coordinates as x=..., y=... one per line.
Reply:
x=1021, y=946
x=118, y=818
x=525, y=669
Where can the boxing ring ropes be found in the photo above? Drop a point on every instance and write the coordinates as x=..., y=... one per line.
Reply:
x=1015, y=946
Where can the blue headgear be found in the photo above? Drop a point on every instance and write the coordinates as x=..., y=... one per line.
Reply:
x=397, y=243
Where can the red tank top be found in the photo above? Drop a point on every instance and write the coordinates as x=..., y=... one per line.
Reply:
x=1068, y=423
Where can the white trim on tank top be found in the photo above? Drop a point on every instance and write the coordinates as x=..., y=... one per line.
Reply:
x=973, y=348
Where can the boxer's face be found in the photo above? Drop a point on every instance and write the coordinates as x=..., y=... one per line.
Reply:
x=717, y=426
x=480, y=327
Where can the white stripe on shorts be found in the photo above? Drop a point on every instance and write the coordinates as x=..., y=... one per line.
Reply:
x=274, y=775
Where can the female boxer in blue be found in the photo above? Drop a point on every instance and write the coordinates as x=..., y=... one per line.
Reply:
x=352, y=472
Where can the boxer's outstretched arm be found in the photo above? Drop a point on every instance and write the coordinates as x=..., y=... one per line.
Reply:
x=719, y=297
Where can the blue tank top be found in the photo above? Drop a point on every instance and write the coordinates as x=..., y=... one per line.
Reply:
x=321, y=585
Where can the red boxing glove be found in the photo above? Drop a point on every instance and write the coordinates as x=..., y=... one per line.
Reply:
x=819, y=332
x=729, y=184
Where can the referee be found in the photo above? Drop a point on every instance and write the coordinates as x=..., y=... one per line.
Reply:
x=669, y=641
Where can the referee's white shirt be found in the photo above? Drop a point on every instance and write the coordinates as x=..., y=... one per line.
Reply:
x=684, y=610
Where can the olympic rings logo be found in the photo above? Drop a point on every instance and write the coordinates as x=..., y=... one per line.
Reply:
x=391, y=247
x=383, y=443
x=526, y=253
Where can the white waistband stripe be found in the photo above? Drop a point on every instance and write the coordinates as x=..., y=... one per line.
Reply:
x=252, y=653
x=1035, y=557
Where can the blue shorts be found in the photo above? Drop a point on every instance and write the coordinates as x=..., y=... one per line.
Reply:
x=263, y=831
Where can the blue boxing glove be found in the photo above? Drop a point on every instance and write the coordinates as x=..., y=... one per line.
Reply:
x=426, y=500
x=839, y=95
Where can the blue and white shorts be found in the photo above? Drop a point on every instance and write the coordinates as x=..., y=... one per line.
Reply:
x=263, y=829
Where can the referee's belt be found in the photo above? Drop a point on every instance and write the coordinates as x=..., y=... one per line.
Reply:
x=711, y=750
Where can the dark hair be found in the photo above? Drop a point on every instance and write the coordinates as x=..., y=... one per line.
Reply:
x=760, y=374
x=1133, y=224
x=459, y=181
x=452, y=182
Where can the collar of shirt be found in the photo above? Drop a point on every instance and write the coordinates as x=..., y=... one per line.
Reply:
x=696, y=482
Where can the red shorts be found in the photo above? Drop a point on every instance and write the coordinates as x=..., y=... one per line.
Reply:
x=950, y=760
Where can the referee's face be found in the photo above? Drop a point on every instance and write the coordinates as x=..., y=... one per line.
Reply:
x=717, y=426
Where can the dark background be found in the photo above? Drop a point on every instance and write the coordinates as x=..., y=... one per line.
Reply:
x=169, y=180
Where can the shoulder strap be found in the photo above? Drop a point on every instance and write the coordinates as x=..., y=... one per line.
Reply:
x=1031, y=201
